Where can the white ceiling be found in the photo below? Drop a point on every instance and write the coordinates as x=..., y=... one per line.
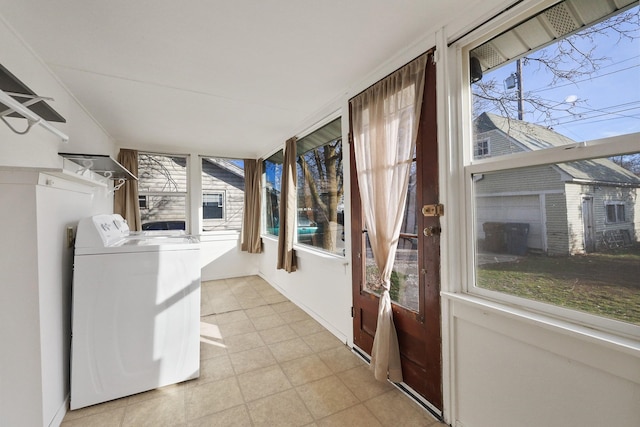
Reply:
x=226, y=78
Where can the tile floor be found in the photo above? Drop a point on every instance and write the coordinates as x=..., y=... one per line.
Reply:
x=264, y=362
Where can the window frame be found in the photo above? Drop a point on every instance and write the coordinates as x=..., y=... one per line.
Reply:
x=263, y=227
x=301, y=245
x=616, y=204
x=486, y=151
x=221, y=204
x=186, y=193
x=470, y=167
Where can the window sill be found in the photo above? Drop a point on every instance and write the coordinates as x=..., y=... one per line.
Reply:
x=306, y=250
x=610, y=340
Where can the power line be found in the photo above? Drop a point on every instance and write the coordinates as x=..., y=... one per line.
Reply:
x=585, y=80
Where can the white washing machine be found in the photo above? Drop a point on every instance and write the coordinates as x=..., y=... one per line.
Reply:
x=136, y=311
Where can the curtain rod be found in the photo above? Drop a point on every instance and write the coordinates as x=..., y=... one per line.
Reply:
x=485, y=22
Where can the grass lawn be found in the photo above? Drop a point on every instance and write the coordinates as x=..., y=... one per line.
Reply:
x=606, y=284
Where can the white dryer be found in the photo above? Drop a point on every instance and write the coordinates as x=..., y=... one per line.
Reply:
x=136, y=311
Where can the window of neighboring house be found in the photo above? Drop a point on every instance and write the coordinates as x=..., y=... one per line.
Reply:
x=481, y=148
x=213, y=206
x=142, y=201
x=540, y=199
x=615, y=212
x=272, y=175
x=162, y=188
x=222, y=193
x=320, y=197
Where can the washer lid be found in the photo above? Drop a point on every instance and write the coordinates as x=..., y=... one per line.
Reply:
x=144, y=244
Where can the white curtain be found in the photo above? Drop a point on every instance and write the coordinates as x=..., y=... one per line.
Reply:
x=385, y=124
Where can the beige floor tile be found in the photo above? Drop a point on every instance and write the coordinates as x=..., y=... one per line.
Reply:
x=305, y=370
x=280, y=333
x=362, y=383
x=261, y=311
x=238, y=343
x=233, y=417
x=214, y=369
x=268, y=322
x=210, y=348
x=174, y=390
x=394, y=408
x=283, y=410
x=95, y=409
x=224, y=305
x=250, y=360
x=209, y=398
x=236, y=328
x=306, y=327
x=340, y=359
x=273, y=299
x=254, y=301
x=161, y=412
x=109, y=418
x=356, y=416
x=326, y=396
x=231, y=317
x=296, y=315
x=289, y=350
x=263, y=382
x=322, y=341
x=285, y=306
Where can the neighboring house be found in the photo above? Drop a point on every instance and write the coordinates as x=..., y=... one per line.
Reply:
x=222, y=194
x=569, y=208
x=162, y=191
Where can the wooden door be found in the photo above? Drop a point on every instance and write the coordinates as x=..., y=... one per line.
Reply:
x=416, y=279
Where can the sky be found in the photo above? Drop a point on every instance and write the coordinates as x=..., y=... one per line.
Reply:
x=607, y=103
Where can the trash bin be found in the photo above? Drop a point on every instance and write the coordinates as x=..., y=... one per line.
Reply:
x=494, y=237
x=517, y=234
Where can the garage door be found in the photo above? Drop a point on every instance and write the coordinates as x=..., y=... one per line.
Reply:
x=520, y=209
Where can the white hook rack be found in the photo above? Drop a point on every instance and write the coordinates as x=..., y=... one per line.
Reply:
x=32, y=118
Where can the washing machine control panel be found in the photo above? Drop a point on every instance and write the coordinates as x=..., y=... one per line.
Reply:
x=101, y=231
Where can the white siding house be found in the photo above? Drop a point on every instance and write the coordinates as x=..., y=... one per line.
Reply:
x=565, y=204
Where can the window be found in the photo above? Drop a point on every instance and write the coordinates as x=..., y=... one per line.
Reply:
x=273, y=175
x=320, y=189
x=142, y=201
x=162, y=188
x=222, y=194
x=557, y=219
x=213, y=206
x=481, y=149
x=615, y=212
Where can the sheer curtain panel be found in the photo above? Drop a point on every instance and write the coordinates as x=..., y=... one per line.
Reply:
x=251, y=241
x=126, y=198
x=385, y=124
x=287, y=222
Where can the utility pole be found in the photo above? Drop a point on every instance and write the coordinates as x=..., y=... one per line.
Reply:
x=519, y=78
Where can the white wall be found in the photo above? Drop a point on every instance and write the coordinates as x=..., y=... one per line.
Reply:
x=511, y=370
x=35, y=264
x=321, y=286
x=36, y=276
x=221, y=257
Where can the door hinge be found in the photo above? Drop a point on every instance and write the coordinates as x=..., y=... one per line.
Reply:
x=353, y=312
x=433, y=210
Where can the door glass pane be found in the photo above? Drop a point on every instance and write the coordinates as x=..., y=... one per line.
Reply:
x=405, y=289
x=571, y=239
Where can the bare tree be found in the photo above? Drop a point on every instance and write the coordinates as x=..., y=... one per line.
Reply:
x=567, y=62
x=322, y=189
